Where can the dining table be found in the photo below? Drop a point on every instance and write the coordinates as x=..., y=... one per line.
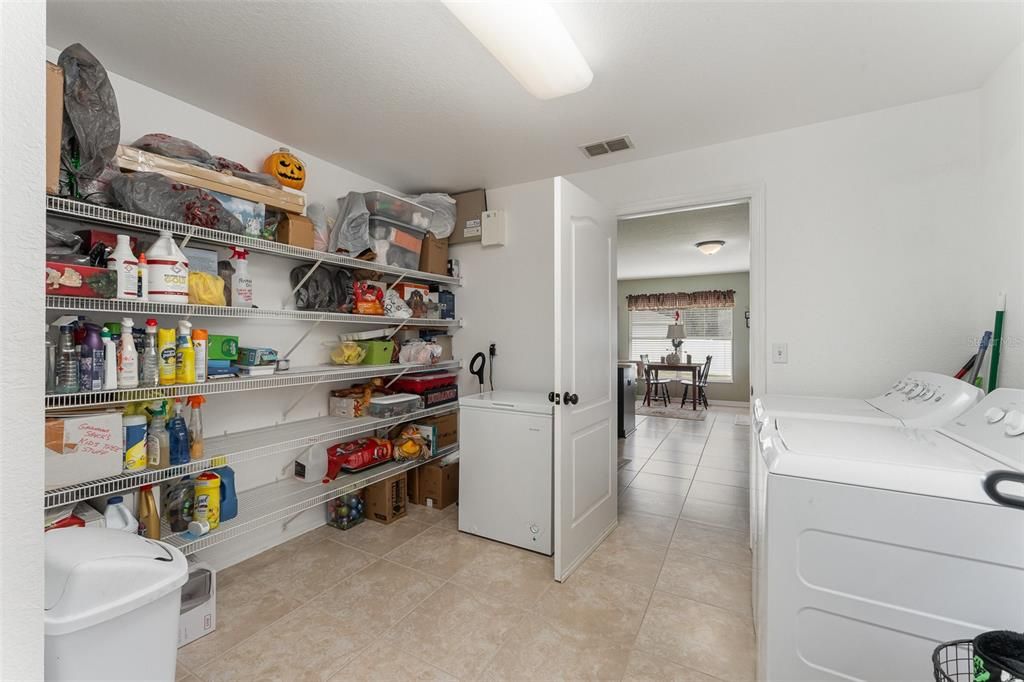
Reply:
x=692, y=367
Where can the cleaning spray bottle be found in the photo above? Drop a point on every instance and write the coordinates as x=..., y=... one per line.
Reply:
x=109, y=362
x=241, y=282
x=158, y=440
x=185, y=356
x=178, y=431
x=195, y=426
x=150, y=358
x=167, y=356
x=127, y=357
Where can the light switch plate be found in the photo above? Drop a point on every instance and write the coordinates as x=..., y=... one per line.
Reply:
x=494, y=228
x=780, y=353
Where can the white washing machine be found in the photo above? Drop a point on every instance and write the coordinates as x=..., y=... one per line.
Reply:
x=877, y=543
x=506, y=468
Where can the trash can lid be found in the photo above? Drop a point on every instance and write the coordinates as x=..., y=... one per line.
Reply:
x=96, y=574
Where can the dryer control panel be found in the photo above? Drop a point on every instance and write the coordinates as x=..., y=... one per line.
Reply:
x=926, y=399
x=995, y=427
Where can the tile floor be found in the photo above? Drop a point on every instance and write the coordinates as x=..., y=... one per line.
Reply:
x=665, y=597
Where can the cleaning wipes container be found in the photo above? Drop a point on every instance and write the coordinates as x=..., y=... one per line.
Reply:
x=111, y=605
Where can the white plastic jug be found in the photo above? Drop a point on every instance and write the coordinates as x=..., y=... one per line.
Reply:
x=118, y=517
x=168, y=271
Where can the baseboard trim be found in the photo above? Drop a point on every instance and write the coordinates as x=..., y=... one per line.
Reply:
x=728, y=403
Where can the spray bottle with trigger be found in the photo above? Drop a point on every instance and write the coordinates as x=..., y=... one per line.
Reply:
x=241, y=282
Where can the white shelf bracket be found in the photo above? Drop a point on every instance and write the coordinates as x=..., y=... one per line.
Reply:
x=304, y=337
x=191, y=231
x=396, y=282
x=302, y=397
x=288, y=298
x=397, y=377
x=397, y=329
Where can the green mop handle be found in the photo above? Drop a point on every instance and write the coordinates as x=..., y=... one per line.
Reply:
x=997, y=335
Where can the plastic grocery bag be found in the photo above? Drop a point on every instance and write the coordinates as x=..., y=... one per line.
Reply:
x=318, y=216
x=92, y=126
x=175, y=148
x=351, y=231
x=394, y=306
x=154, y=195
x=419, y=352
x=317, y=292
x=205, y=289
x=442, y=223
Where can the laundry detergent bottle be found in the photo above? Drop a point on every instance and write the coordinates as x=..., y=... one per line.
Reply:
x=228, y=498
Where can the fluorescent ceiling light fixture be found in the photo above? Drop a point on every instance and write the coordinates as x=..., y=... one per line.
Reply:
x=710, y=248
x=530, y=41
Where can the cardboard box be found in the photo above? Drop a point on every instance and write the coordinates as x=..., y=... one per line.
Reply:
x=469, y=208
x=201, y=260
x=250, y=213
x=445, y=341
x=130, y=158
x=386, y=501
x=296, y=230
x=447, y=426
x=434, y=255
x=54, y=125
x=438, y=484
x=83, y=447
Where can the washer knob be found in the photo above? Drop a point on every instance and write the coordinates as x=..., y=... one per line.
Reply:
x=534, y=528
x=1014, y=423
x=915, y=391
x=994, y=414
x=928, y=393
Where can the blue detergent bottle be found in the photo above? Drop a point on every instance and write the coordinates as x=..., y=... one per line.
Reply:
x=228, y=498
x=178, y=431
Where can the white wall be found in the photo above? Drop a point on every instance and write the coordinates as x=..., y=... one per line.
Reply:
x=872, y=221
x=144, y=110
x=508, y=293
x=1000, y=245
x=22, y=140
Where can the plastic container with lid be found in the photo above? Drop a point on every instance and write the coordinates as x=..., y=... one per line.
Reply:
x=421, y=383
x=393, y=405
x=111, y=607
x=398, y=209
x=378, y=352
x=396, y=243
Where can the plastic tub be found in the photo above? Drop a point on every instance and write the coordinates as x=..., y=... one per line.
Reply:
x=393, y=405
x=396, y=243
x=398, y=209
x=423, y=382
x=378, y=352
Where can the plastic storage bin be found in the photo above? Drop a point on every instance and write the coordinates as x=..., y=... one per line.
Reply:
x=111, y=605
x=422, y=383
x=393, y=405
x=396, y=243
x=398, y=209
x=378, y=352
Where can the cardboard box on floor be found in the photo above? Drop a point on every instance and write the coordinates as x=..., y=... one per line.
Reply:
x=437, y=484
x=434, y=255
x=386, y=500
x=469, y=208
x=54, y=125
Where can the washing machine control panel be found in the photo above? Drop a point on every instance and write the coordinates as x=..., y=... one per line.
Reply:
x=995, y=426
x=925, y=399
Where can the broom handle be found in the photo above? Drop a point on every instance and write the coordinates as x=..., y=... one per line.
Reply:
x=997, y=335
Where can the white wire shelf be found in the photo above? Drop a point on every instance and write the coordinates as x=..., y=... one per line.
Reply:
x=133, y=221
x=241, y=447
x=285, y=499
x=150, y=308
x=310, y=376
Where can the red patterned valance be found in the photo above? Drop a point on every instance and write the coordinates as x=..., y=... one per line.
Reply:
x=678, y=301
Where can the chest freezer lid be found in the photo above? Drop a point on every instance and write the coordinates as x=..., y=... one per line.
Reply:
x=96, y=574
x=511, y=401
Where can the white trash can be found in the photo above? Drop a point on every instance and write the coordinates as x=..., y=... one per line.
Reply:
x=112, y=605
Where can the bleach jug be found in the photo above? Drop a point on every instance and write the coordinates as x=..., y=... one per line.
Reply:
x=168, y=271
x=228, y=499
x=118, y=517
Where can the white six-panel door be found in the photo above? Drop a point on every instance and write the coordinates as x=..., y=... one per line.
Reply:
x=585, y=483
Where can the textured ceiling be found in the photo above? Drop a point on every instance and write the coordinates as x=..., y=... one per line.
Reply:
x=663, y=245
x=403, y=94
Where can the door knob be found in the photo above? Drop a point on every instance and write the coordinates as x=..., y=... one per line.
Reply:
x=554, y=398
x=570, y=398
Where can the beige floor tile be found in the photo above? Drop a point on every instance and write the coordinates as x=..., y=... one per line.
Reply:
x=514, y=576
x=450, y=518
x=640, y=441
x=636, y=452
x=650, y=502
x=634, y=564
x=702, y=637
x=706, y=580
x=378, y=538
x=683, y=443
x=645, y=667
x=244, y=607
x=186, y=678
x=716, y=514
x=591, y=605
x=712, y=541
x=643, y=530
x=383, y=592
x=625, y=476
x=310, y=643
x=685, y=457
x=424, y=514
x=538, y=651
x=457, y=629
x=669, y=485
x=633, y=463
x=655, y=466
x=385, y=661
x=716, y=492
x=739, y=461
x=740, y=479
x=305, y=570
x=181, y=673
x=438, y=552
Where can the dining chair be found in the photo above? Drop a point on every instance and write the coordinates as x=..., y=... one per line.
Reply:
x=702, y=381
x=654, y=388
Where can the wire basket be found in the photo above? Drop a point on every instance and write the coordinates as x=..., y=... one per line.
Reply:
x=954, y=661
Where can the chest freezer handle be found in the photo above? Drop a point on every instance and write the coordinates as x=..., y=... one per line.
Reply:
x=994, y=478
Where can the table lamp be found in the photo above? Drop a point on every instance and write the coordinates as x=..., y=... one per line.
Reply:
x=676, y=332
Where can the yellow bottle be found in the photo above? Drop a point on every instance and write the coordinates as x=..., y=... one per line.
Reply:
x=185, y=356
x=207, y=499
x=166, y=356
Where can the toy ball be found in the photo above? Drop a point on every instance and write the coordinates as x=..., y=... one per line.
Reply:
x=344, y=511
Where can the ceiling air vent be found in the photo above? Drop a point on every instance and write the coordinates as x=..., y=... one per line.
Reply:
x=616, y=144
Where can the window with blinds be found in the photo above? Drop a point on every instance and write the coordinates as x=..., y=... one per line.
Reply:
x=708, y=332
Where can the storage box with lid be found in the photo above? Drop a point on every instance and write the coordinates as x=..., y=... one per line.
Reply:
x=393, y=405
x=434, y=389
x=399, y=210
x=396, y=243
x=378, y=352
